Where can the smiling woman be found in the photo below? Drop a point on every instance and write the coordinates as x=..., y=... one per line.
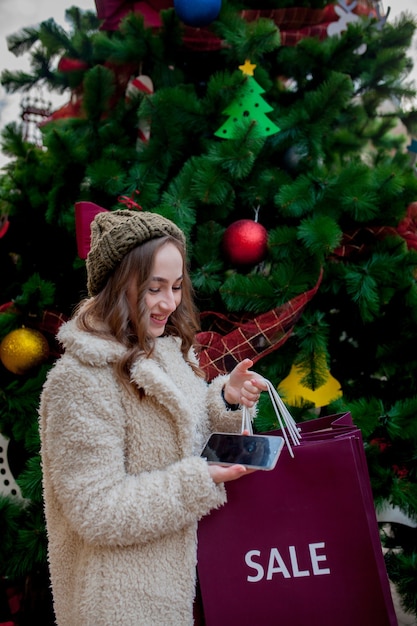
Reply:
x=124, y=416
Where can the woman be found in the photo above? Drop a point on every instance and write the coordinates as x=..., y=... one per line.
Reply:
x=124, y=415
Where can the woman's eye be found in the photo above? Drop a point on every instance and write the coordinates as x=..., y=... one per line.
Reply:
x=177, y=288
x=154, y=290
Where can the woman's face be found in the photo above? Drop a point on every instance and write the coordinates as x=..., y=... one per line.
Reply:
x=165, y=288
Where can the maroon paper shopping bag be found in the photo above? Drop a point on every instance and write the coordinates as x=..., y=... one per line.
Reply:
x=298, y=546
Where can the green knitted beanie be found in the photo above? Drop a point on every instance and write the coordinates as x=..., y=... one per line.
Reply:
x=114, y=234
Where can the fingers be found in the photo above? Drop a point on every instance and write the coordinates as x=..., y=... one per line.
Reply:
x=244, y=366
x=244, y=386
x=251, y=390
x=222, y=474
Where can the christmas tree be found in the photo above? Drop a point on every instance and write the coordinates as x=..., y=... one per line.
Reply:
x=301, y=220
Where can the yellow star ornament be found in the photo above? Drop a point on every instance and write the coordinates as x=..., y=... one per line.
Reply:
x=247, y=68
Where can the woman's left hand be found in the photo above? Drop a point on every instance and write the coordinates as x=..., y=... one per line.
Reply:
x=244, y=386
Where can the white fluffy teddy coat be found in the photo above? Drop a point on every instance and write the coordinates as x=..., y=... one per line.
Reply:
x=124, y=484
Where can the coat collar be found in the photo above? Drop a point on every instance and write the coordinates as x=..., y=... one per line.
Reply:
x=150, y=374
x=153, y=375
x=88, y=348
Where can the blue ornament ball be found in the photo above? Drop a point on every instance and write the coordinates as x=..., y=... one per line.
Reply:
x=197, y=13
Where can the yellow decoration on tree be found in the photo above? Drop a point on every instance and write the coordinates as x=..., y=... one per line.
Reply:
x=295, y=393
x=248, y=68
x=23, y=349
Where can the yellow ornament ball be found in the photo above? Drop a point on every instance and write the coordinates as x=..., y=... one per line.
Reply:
x=23, y=349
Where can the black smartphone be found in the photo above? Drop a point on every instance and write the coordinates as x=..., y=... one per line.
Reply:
x=254, y=451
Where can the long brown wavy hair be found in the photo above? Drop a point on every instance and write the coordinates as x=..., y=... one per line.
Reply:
x=109, y=314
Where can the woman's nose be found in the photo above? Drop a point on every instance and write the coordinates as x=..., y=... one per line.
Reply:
x=169, y=302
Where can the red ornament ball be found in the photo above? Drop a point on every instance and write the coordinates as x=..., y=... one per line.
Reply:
x=245, y=242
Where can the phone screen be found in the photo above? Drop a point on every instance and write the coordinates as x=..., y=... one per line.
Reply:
x=255, y=451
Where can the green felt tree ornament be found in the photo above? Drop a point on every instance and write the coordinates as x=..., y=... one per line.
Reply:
x=249, y=109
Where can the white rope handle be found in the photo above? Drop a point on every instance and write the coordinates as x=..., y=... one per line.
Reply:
x=246, y=421
x=284, y=417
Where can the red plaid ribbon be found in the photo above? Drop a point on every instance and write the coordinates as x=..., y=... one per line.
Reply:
x=49, y=325
x=356, y=242
x=294, y=23
x=254, y=339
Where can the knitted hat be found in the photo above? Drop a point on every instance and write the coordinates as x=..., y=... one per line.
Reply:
x=114, y=234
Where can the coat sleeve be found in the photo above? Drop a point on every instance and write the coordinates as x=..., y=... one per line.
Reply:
x=82, y=449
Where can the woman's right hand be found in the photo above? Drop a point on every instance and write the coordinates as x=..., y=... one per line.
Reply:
x=222, y=474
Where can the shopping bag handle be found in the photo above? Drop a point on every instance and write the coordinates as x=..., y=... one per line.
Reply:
x=284, y=417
